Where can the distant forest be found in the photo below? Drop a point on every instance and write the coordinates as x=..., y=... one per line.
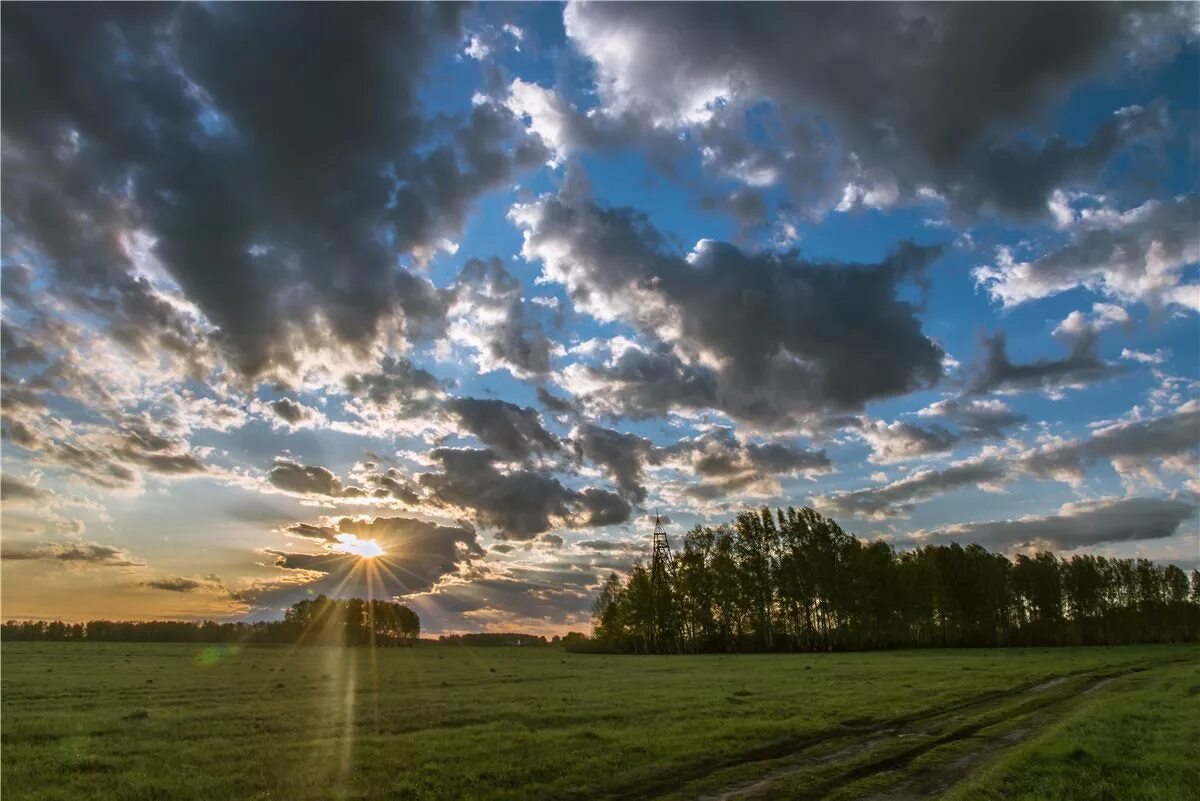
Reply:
x=785, y=581
x=795, y=581
x=319, y=621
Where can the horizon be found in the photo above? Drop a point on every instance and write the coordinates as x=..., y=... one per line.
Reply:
x=445, y=305
x=434, y=636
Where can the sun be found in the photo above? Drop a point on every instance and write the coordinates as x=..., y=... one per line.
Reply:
x=363, y=549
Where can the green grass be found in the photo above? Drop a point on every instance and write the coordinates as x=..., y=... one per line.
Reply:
x=1135, y=739
x=114, y=721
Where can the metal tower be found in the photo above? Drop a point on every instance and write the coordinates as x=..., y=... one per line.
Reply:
x=662, y=565
x=661, y=561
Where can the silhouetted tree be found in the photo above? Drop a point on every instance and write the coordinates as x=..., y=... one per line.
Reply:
x=796, y=581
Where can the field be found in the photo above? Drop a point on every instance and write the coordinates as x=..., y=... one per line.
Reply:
x=113, y=721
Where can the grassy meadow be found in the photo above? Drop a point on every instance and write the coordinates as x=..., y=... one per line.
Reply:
x=175, y=721
x=1138, y=741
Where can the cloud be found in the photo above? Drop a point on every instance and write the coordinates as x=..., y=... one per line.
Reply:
x=521, y=503
x=1076, y=525
x=718, y=453
x=396, y=397
x=175, y=584
x=897, y=442
x=901, y=496
x=762, y=337
x=980, y=417
x=621, y=455
x=314, y=481
x=612, y=545
x=416, y=553
x=976, y=419
x=512, y=432
x=846, y=132
x=390, y=483
x=301, y=479
x=1081, y=366
x=16, y=490
x=292, y=412
x=1135, y=256
x=275, y=166
x=548, y=595
x=73, y=553
x=105, y=456
x=554, y=404
x=1132, y=448
x=1142, y=357
x=491, y=316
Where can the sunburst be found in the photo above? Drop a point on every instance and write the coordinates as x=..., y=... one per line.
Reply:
x=363, y=549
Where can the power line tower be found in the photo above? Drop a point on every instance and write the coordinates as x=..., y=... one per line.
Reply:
x=662, y=565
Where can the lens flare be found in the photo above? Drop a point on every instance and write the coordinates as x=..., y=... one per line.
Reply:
x=364, y=549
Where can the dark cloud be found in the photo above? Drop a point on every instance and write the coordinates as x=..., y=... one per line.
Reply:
x=277, y=160
x=551, y=541
x=718, y=454
x=290, y=411
x=621, y=455
x=17, y=490
x=159, y=454
x=314, y=480
x=174, y=584
x=391, y=483
x=18, y=349
x=784, y=458
x=492, y=316
x=644, y=384
x=775, y=326
x=1077, y=525
x=747, y=206
x=554, y=404
x=512, y=432
x=1080, y=367
x=415, y=555
x=937, y=104
x=602, y=508
x=717, y=457
x=548, y=594
x=520, y=503
x=398, y=388
x=81, y=553
x=301, y=479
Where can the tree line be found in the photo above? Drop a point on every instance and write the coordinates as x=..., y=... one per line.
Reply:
x=316, y=621
x=497, y=639
x=795, y=581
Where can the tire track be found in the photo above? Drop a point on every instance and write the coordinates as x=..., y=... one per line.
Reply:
x=830, y=761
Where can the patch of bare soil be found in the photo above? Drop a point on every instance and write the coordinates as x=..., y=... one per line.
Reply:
x=979, y=750
x=974, y=733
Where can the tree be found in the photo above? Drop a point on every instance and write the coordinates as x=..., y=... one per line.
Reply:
x=796, y=580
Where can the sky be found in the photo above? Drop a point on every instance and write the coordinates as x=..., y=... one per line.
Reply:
x=486, y=288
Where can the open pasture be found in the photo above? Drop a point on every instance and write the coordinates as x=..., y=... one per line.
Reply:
x=142, y=721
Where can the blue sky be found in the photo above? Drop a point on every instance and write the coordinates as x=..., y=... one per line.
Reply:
x=490, y=286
